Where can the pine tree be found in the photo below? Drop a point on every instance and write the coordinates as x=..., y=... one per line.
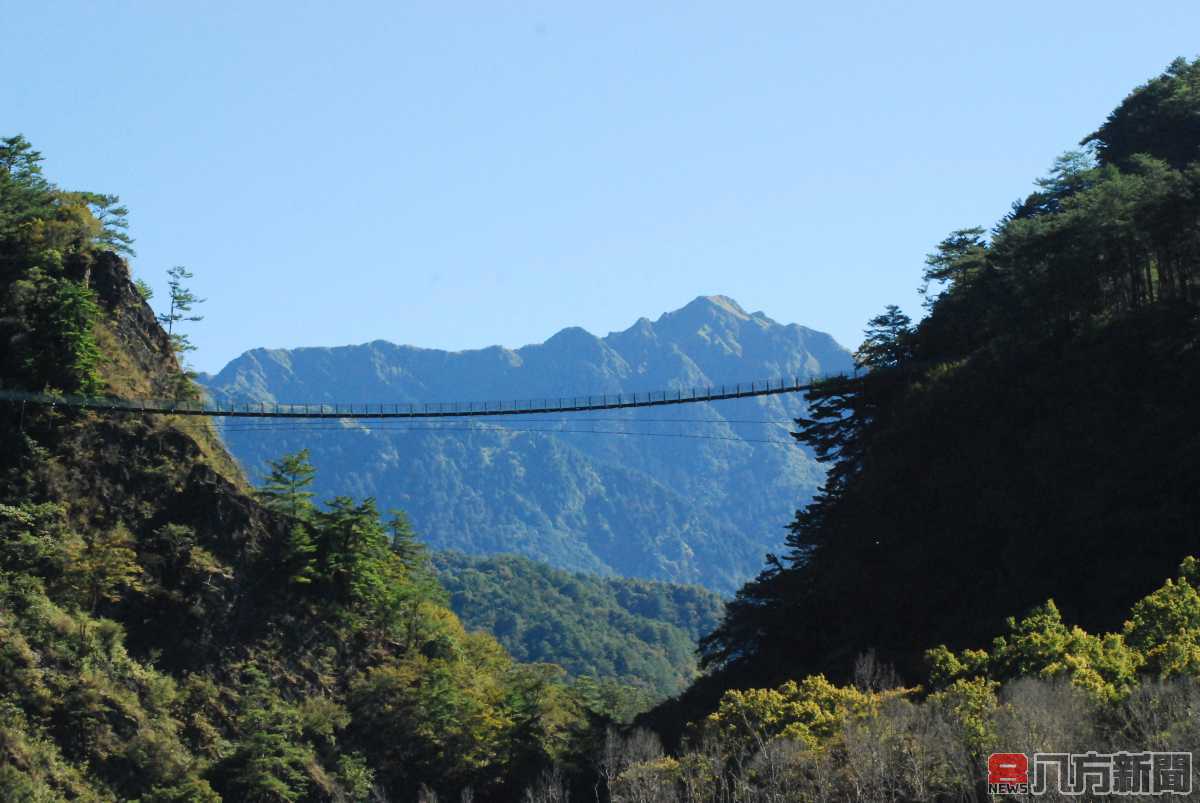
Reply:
x=887, y=342
x=958, y=258
x=182, y=301
x=286, y=491
x=352, y=551
x=404, y=543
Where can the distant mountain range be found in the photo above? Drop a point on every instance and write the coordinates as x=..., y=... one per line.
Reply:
x=618, y=492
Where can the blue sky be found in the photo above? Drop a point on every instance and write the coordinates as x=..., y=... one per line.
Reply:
x=461, y=175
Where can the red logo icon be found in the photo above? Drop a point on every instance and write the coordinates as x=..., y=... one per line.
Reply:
x=1008, y=768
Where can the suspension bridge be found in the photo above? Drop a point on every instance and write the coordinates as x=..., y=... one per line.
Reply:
x=459, y=409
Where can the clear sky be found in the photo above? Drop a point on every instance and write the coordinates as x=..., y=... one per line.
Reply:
x=457, y=175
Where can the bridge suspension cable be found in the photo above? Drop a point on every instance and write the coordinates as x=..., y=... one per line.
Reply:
x=461, y=409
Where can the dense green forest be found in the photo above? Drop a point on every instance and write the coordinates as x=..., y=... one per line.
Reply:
x=1034, y=435
x=641, y=632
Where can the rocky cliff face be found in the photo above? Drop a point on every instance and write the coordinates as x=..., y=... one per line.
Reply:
x=144, y=472
x=686, y=493
x=132, y=317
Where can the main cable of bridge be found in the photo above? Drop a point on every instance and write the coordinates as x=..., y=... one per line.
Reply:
x=543, y=406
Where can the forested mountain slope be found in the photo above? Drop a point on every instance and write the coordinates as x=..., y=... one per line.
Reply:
x=1035, y=436
x=1044, y=685
x=641, y=632
x=165, y=634
x=700, y=509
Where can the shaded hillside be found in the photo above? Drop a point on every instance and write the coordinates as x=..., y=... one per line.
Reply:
x=697, y=510
x=167, y=636
x=1035, y=436
x=640, y=632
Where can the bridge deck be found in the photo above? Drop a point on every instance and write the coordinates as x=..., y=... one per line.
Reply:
x=563, y=404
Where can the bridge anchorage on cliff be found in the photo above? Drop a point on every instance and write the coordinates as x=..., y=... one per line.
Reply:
x=459, y=409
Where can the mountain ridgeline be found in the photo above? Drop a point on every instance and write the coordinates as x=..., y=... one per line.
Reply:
x=703, y=508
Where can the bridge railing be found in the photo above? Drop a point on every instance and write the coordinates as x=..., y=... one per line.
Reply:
x=208, y=406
